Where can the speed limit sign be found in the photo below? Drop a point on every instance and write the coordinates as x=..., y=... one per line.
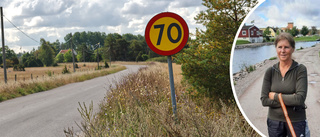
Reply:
x=166, y=33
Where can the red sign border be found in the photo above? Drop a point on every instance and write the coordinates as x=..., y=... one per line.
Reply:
x=185, y=34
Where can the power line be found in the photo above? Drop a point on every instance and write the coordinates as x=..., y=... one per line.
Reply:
x=21, y=30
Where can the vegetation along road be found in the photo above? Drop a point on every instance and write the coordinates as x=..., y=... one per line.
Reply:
x=49, y=113
x=250, y=99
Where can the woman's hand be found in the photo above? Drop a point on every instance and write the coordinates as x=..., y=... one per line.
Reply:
x=271, y=95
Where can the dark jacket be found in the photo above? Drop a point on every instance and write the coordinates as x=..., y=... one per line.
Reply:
x=293, y=87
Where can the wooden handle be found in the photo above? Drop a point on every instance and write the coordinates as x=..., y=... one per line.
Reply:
x=285, y=112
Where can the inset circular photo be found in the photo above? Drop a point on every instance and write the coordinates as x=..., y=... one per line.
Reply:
x=275, y=65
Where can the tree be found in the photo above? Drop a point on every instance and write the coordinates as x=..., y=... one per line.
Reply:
x=266, y=33
x=46, y=53
x=294, y=31
x=11, y=56
x=304, y=31
x=205, y=64
x=67, y=56
x=135, y=49
x=59, y=58
x=314, y=30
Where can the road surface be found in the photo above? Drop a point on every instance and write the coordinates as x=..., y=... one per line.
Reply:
x=250, y=99
x=47, y=114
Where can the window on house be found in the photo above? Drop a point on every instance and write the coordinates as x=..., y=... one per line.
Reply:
x=251, y=32
x=244, y=32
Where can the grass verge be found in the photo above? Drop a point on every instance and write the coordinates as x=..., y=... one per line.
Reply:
x=16, y=89
x=307, y=38
x=140, y=105
x=239, y=42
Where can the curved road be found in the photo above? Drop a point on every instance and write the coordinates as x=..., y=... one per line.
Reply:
x=257, y=114
x=47, y=114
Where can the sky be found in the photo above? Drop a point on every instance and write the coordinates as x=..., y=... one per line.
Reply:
x=278, y=13
x=53, y=19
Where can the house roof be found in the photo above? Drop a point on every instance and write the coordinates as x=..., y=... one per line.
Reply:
x=63, y=51
x=247, y=27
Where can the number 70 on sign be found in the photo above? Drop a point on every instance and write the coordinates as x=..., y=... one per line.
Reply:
x=166, y=33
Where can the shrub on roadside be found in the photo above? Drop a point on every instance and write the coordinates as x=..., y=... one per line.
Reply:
x=65, y=70
x=140, y=105
x=106, y=64
x=18, y=67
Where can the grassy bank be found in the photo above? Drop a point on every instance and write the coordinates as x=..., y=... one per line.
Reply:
x=21, y=88
x=140, y=105
x=239, y=42
x=307, y=38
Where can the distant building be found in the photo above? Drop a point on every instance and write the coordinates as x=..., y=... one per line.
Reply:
x=64, y=51
x=290, y=25
x=251, y=33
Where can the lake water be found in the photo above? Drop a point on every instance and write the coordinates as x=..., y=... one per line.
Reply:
x=250, y=56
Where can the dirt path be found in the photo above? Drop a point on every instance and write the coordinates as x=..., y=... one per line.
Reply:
x=250, y=89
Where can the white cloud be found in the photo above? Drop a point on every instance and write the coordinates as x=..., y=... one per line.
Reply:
x=33, y=22
x=53, y=19
x=115, y=29
x=279, y=13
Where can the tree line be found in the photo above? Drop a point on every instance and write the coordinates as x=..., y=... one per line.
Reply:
x=88, y=47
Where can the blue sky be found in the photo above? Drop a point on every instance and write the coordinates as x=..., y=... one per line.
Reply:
x=53, y=19
x=278, y=13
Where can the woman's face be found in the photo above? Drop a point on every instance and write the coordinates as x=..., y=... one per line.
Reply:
x=284, y=50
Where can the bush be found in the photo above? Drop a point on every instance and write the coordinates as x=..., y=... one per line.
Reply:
x=106, y=64
x=65, y=70
x=145, y=57
x=49, y=73
x=18, y=67
x=55, y=64
x=158, y=59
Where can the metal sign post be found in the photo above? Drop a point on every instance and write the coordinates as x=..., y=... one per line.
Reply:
x=166, y=34
x=173, y=94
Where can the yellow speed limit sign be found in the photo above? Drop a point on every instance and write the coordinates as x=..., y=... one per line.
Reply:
x=166, y=33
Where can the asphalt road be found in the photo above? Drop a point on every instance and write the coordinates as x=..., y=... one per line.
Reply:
x=47, y=114
x=257, y=114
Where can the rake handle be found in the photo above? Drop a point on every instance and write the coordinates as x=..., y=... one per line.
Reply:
x=283, y=106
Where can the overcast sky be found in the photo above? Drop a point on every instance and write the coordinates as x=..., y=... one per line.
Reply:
x=278, y=13
x=53, y=19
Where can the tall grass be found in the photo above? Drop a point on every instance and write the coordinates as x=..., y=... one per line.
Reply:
x=140, y=105
x=21, y=88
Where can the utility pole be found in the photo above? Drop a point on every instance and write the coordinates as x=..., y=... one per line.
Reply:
x=74, y=69
x=3, y=49
x=98, y=54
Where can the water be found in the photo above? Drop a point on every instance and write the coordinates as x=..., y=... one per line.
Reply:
x=250, y=56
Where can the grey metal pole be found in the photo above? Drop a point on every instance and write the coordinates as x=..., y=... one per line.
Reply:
x=74, y=69
x=173, y=94
x=3, y=49
x=98, y=56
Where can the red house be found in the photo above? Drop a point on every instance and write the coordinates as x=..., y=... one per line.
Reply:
x=64, y=51
x=250, y=33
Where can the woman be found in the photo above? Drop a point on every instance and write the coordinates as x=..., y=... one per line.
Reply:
x=289, y=78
